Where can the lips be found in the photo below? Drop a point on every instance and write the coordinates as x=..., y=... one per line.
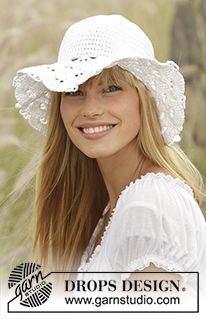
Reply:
x=96, y=135
x=96, y=128
x=92, y=125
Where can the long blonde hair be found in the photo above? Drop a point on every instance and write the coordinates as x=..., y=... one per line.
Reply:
x=70, y=191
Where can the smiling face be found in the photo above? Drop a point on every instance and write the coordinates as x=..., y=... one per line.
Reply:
x=101, y=119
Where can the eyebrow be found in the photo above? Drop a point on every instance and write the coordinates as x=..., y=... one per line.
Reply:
x=89, y=84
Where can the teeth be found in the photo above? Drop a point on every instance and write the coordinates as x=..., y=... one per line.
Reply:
x=92, y=130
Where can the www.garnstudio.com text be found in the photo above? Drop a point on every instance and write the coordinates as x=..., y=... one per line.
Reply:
x=127, y=300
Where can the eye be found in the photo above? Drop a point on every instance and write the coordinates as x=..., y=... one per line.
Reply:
x=76, y=93
x=112, y=88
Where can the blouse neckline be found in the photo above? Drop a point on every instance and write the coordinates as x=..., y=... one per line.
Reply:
x=86, y=259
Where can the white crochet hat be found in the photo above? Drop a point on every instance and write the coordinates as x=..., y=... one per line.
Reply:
x=88, y=47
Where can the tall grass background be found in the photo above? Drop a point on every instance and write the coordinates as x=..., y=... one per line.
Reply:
x=31, y=32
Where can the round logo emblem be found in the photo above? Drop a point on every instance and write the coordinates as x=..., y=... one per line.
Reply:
x=30, y=285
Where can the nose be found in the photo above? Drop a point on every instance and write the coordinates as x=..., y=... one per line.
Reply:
x=92, y=107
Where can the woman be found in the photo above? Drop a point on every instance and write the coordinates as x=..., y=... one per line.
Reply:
x=114, y=191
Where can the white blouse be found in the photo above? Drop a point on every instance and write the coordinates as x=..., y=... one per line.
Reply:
x=156, y=220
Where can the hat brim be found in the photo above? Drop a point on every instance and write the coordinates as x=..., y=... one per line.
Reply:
x=33, y=86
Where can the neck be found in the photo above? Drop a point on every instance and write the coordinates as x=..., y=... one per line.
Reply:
x=119, y=170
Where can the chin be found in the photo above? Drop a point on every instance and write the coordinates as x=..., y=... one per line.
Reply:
x=97, y=154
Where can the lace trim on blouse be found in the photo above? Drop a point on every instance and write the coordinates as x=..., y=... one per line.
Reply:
x=87, y=257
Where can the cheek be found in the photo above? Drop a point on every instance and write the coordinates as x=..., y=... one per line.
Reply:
x=133, y=120
x=135, y=109
x=131, y=112
x=63, y=110
x=66, y=113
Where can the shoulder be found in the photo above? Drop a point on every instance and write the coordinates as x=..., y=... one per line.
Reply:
x=159, y=180
x=157, y=187
x=157, y=221
x=162, y=197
